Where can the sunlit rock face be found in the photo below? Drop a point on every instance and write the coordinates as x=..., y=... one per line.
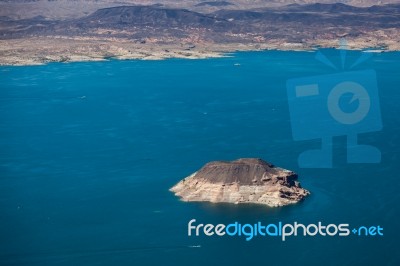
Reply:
x=242, y=181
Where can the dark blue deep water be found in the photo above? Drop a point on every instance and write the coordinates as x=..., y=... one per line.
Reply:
x=89, y=150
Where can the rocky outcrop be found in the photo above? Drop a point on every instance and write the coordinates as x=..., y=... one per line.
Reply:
x=242, y=181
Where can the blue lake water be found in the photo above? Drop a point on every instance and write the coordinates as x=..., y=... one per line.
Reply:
x=89, y=150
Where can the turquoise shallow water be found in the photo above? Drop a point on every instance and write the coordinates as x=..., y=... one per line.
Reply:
x=88, y=152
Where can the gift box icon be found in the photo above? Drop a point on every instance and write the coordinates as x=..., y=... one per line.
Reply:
x=343, y=103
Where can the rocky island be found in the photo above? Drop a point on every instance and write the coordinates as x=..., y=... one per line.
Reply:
x=246, y=180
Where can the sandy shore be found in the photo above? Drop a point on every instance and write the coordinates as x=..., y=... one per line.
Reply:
x=42, y=50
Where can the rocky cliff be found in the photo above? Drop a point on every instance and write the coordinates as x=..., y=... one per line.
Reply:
x=241, y=181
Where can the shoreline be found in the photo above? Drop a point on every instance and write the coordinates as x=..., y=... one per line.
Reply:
x=44, y=50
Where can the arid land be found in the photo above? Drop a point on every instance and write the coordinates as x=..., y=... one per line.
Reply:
x=158, y=32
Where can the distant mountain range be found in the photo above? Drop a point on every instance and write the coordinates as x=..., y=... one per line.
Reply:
x=214, y=27
x=137, y=22
x=65, y=9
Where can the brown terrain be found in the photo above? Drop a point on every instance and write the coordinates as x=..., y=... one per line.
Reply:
x=242, y=181
x=38, y=31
